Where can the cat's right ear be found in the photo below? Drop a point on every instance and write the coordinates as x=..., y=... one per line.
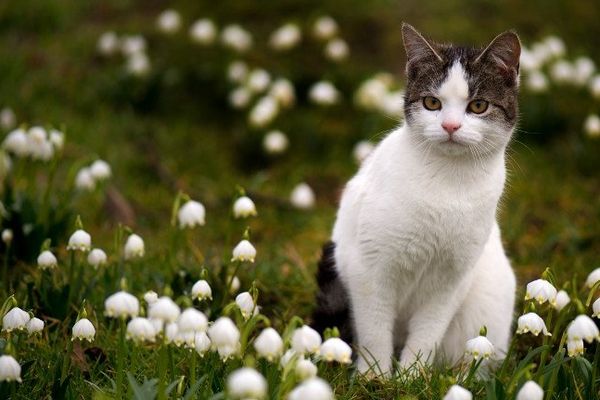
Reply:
x=417, y=47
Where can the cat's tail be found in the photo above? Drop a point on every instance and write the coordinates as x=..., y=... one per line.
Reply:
x=333, y=306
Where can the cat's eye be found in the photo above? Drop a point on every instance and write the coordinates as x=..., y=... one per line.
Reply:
x=431, y=103
x=478, y=106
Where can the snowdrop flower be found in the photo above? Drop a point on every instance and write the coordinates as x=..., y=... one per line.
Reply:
x=201, y=290
x=305, y=369
x=192, y=320
x=244, y=207
x=150, y=297
x=97, y=258
x=121, y=305
x=244, y=251
x=269, y=344
x=531, y=322
x=83, y=330
x=164, y=309
x=537, y=82
x=530, y=391
x=313, y=389
x=47, y=260
x=108, y=43
x=84, y=180
x=7, y=118
x=240, y=97
x=57, y=138
x=235, y=285
x=10, y=370
x=306, y=340
x=100, y=170
x=7, y=236
x=562, y=72
x=336, y=50
x=592, y=278
x=134, y=247
x=275, y=142
x=263, y=112
x=562, y=299
x=191, y=214
x=479, y=347
x=17, y=143
x=457, y=392
x=201, y=343
x=302, y=197
x=335, y=349
x=134, y=44
x=555, y=46
x=258, y=80
x=575, y=347
x=237, y=71
x=236, y=38
x=171, y=331
x=584, y=69
x=246, y=383
x=203, y=31
x=245, y=302
x=285, y=37
x=541, y=291
x=138, y=64
x=596, y=308
x=15, y=319
x=169, y=21
x=324, y=93
x=39, y=147
x=583, y=327
x=80, y=240
x=35, y=325
x=141, y=330
x=225, y=337
x=594, y=87
x=591, y=126
x=362, y=150
x=283, y=91
x=325, y=28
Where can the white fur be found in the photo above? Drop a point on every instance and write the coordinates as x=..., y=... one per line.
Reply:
x=417, y=243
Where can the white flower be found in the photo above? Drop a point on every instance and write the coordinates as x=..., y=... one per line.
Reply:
x=97, y=258
x=583, y=327
x=362, y=150
x=457, y=392
x=10, y=370
x=594, y=87
x=157, y=324
x=191, y=214
x=57, y=138
x=108, y=43
x=169, y=21
x=541, y=291
x=584, y=69
x=562, y=299
x=324, y=93
x=244, y=207
x=245, y=302
x=246, y=383
x=237, y=71
x=235, y=285
x=134, y=247
x=201, y=343
x=121, y=305
x=171, y=331
x=240, y=97
x=164, y=309
x=592, y=278
x=150, y=297
x=138, y=64
x=84, y=180
x=225, y=337
x=192, y=320
x=83, y=330
x=575, y=347
x=530, y=391
x=306, y=340
x=596, y=308
x=305, y=369
x=536, y=82
x=531, y=322
x=335, y=349
x=562, y=72
x=39, y=146
x=288, y=356
x=269, y=344
x=555, y=46
x=100, y=170
x=17, y=143
x=35, y=325
x=263, y=112
x=479, y=347
x=283, y=91
x=201, y=290
x=337, y=50
x=15, y=319
x=258, y=81
x=134, y=44
x=237, y=38
x=325, y=28
x=302, y=197
x=313, y=389
x=244, y=251
x=203, y=31
x=275, y=142
x=7, y=236
x=285, y=37
x=47, y=260
x=591, y=126
x=141, y=330
x=7, y=118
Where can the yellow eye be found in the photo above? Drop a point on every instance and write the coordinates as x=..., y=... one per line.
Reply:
x=478, y=106
x=431, y=103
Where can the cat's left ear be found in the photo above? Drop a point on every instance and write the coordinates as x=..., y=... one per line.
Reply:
x=504, y=52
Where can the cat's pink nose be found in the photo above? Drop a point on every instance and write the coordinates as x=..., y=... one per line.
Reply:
x=450, y=126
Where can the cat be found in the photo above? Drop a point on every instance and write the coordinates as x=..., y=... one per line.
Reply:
x=416, y=261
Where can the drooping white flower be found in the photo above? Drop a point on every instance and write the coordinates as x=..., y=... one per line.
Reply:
x=133, y=44
x=15, y=319
x=325, y=28
x=225, y=337
x=39, y=146
x=245, y=302
x=337, y=50
x=84, y=180
x=244, y=207
x=584, y=70
x=283, y=91
x=201, y=343
x=97, y=258
x=191, y=214
x=244, y=251
x=479, y=347
x=302, y=197
x=531, y=322
x=237, y=71
x=121, y=305
x=10, y=370
x=285, y=37
x=541, y=291
x=312, y=388
x=575, y=347
x=324, y=93
x=596, y=308
x=141, y=330
x=57, y=138
x=169, y=21
x=530, y=391
x=108, y=43
x=192, y=320
x=583, y=327
x=264, y=112
x=258, y=80
x=164, y=309
x=35, y=325
x=555, y=46
x=362, y=150
x=240, y=97
x=594, y=87
x=562, y=72
x=8, y=118
x=536, y=82
x=305, y=369
x=47, y=260
x=246, y=383
x=150, y=297
x=269, y=344
x=203, y=31
x=457, y=392
x=83, y=330
x=275, y=142
x=562, y=299
x=100, y=170
x=306, y=340
x=171, y=331
x=17, y=143
x=201, y=290
x=592, y=278
x=235, y=285
x=7, y=236
x=134, y=247
x=591, y=126
x=236, y=38
x=138, y=64
x=335, y=349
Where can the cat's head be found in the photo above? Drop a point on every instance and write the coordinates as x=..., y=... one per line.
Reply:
x=461, y=100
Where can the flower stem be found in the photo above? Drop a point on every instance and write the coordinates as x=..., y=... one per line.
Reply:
x=162, y=370
x=121, y=359
x=7, y=288
x=193, y=369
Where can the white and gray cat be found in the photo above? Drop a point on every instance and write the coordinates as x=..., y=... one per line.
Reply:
x=416, y=265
